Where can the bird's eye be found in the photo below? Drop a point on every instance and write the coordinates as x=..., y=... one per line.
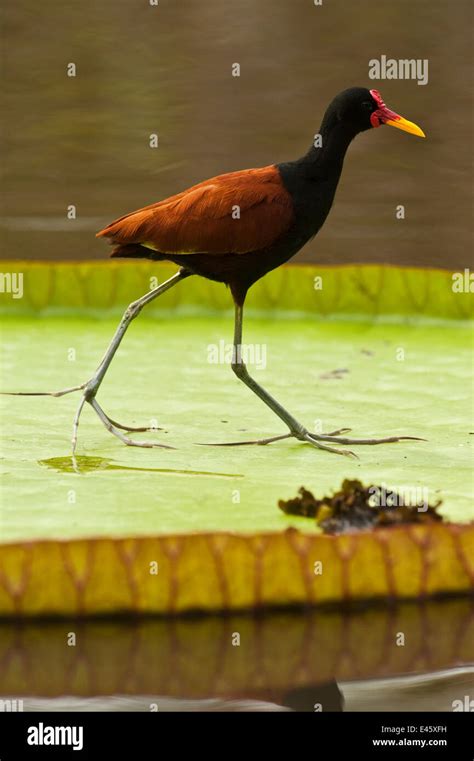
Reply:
x=367, y=105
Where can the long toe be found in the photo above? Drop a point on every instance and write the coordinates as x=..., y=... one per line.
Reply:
x=316, y=443
x=134, y=429
x=259, y=442
x=345, y=440
x=144, y=444
x=116, y=432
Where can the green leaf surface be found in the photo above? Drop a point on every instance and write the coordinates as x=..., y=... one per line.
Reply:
x=162, y=374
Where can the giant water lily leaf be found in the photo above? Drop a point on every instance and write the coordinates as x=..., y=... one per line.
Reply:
x=367, y=290
x=324, y=355
x=182, y=572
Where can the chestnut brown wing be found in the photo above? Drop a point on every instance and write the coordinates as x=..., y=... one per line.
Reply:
x=236, y=213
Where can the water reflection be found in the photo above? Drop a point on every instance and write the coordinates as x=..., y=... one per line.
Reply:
x=288, y=658
x=86, y=464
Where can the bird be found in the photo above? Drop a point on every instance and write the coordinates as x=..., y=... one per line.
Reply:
x=235, y=228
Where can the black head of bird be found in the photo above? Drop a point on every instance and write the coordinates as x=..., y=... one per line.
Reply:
x=358, y=109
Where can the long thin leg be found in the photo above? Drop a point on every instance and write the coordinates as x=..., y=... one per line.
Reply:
x=130, y=313
x=296, y=429
x=91, y=387
x=239, y=368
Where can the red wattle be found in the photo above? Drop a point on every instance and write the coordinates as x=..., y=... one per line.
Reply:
x=382, y=113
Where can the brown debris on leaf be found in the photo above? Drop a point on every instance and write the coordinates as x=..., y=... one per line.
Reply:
x=336, y=374
x=356, y=507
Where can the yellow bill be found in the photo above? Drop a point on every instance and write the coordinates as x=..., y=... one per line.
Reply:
x=406, y=126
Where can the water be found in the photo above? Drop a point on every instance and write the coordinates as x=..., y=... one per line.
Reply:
x=346, y=660
x=84, y=140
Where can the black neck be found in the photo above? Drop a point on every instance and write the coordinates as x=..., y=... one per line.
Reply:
x=328, y=158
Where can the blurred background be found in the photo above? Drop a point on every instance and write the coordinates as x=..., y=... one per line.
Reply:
x=167, y=69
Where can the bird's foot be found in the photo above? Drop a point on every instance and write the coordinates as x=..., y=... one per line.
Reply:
x=90, y=390
x=263, y=442
x=302, y=435
x=113, y=428
x=319, y=440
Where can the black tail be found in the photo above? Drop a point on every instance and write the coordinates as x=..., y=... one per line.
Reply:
x=135, y=251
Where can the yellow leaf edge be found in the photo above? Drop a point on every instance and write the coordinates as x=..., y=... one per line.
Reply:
x=210, y=572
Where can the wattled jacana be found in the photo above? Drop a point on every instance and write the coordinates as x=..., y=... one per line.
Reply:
x=281, y=207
